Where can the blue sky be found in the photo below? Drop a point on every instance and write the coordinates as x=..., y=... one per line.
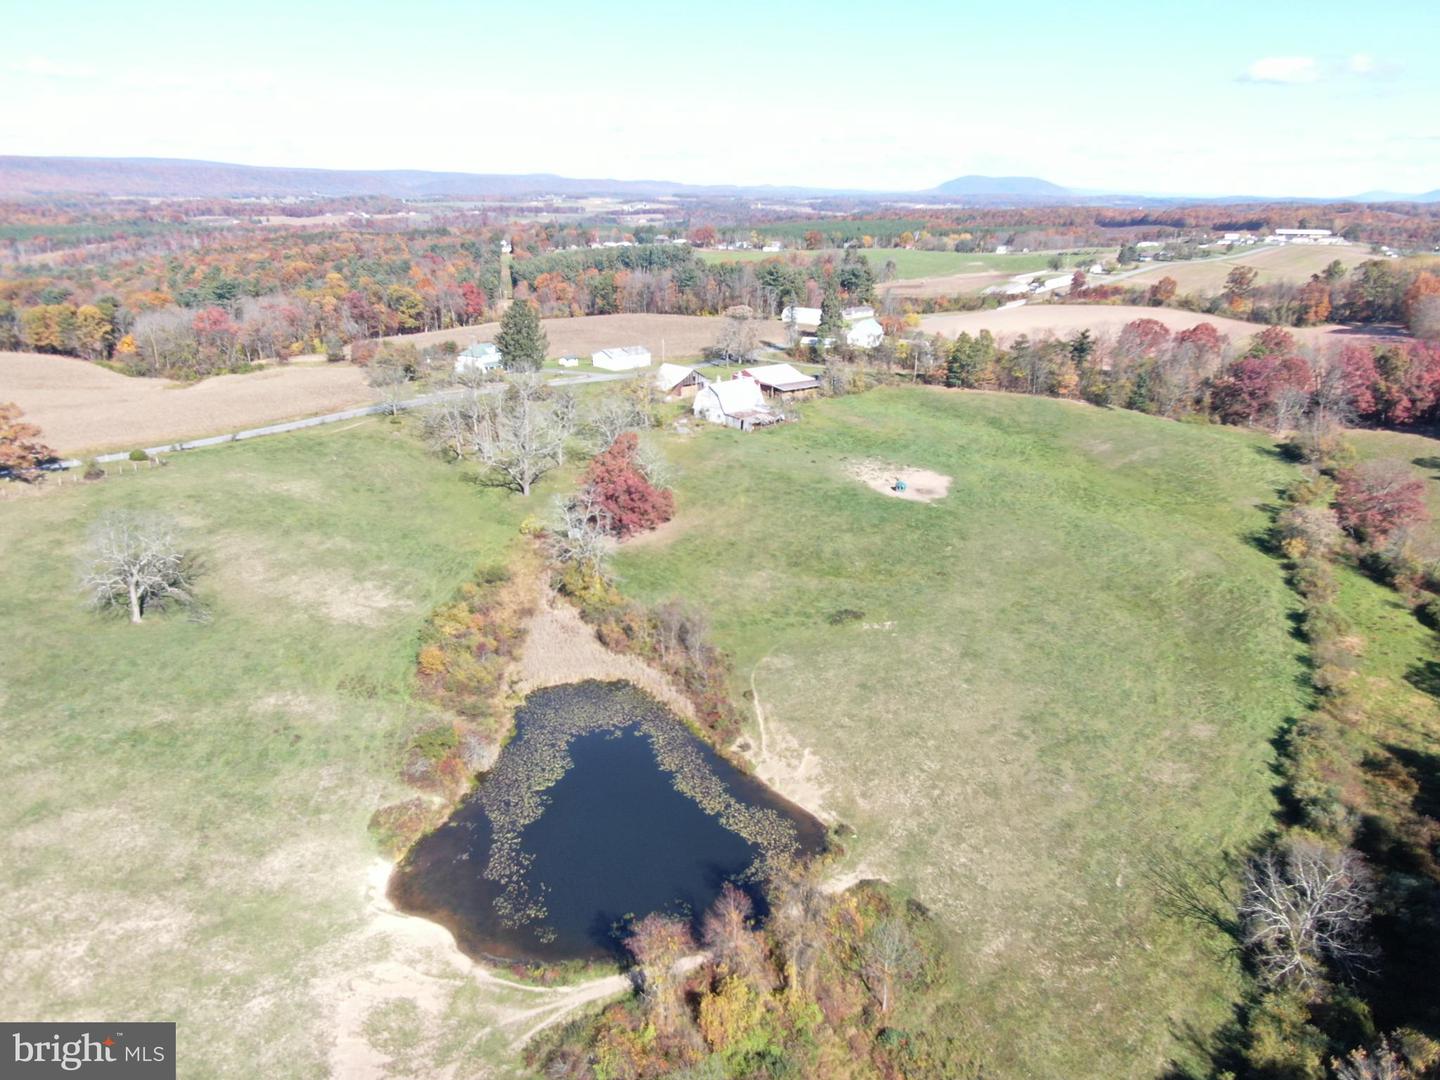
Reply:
x=1261, y=97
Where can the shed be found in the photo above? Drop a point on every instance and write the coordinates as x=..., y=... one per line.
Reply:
x=621, y=358
x=782, y=380
x=677, y=382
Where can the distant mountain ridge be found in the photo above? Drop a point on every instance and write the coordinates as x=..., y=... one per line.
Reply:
x=187, y=178
x=182, y=177
x=1026, y=186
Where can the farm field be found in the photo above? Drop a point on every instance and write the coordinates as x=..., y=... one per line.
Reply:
x=184, y=830
x=81, y=407
x=1065, y=319
x=1027, y=698
x=917, y=264
x=1293, y=263
x=679, y=337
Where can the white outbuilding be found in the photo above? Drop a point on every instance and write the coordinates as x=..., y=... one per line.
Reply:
x=676, y=381
x=621, y=358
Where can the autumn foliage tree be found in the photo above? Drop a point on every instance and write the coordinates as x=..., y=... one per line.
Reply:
x=619, y=487
x=21, y=451
x=1375, y=498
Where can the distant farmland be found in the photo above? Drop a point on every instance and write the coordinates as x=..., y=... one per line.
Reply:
x=919, y=264
x=1275, y=264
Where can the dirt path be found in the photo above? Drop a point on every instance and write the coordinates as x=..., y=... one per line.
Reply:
x=780, y=761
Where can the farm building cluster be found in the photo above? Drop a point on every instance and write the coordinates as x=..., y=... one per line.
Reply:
x=750, y=399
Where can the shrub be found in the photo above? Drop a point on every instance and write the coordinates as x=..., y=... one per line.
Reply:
x=395, y=827
x=94, y=470
x=139, y=455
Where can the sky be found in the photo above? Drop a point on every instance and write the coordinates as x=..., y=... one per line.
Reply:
x=1260, y=97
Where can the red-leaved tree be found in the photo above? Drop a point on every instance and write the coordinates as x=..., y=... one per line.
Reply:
x=1375, y=498
x=618, y=486
x=21, y=451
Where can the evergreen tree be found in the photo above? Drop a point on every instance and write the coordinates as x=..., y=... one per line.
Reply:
x=521, y=341
x=832, y=322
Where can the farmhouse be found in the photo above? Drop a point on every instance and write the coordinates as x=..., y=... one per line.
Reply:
x=782, y=381
x=865, y=334
x=482, y=356
x=736, y=403
x=677, y=382
x=621, y=358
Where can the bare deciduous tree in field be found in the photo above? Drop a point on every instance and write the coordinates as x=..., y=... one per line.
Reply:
x=135, y=562
x=739, y=336
x=457, y=425
x=527, y=438
x=389, y=382
x=613, y=413
x=1304, y=908
x=581, y=532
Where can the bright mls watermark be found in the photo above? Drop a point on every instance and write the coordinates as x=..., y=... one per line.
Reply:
x=140, y=1051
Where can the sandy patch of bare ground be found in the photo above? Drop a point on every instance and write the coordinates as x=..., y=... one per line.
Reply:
x=81, y=407
x=560, y=648
x=920, y=485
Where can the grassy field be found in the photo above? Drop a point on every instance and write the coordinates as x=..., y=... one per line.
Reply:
x=1293, y=263
x=183, y=835
x=1062, y=676
x=917, y=264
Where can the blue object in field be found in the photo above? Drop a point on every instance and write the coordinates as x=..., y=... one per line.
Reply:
x=899, y=485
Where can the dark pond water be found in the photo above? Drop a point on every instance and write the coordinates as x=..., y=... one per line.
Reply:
x=603, y=808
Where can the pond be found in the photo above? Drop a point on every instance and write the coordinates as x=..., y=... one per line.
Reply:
x=602, y=809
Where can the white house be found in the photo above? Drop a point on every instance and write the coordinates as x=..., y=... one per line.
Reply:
x=621, y=358
x=863, y=330
x=736, y=403
x=865, y=334
x=676, y=381
x=482, y=356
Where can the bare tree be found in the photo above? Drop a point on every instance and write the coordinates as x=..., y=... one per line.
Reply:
x=611, y=414
x=739, y=337
x=389, y=382
x=527, y=439
x=135, y=562
x=729, y=933
x=581, y=531
x=658, y=943
x=457, y=425
x=1304, y=907
x=798, y=910
x=888, y=954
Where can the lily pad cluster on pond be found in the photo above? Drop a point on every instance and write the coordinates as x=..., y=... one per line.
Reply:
x=602, y=808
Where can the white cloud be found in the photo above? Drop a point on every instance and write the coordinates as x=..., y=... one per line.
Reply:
x=1283, y=69
x=1366, y=66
